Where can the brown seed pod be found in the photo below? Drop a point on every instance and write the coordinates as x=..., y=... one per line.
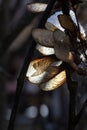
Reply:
x=50, y=72
x=37, y=68
x=43, y=37
x=67, y=23
x=54, y=83
x=48, y=77
x=36, y=7
x=62, y=51
x=42, y=64
x=46, y=37
x=59, y=35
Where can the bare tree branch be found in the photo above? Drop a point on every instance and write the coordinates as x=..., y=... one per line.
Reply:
x=78, y=117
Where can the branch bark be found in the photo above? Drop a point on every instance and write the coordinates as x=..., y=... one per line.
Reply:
x=2, y=100
x=72, y=85
x=78, y=116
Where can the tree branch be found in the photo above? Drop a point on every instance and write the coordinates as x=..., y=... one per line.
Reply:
x=72, y=85
x=77, y=118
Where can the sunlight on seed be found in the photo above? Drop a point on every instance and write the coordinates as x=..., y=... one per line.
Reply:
x=54, y=20
x=50, y=72
x=36, y=7
x=45, y=50
x=41, y=64
x=54, y=83
x=38, y=69
x=34, y=79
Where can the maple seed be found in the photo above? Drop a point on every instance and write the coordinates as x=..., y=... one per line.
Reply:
x=55, y=82
x=60, y=43
x=37, y=67
x=66, y=22
x=43, y=37
x=33, y=7
x=45, y=50
x=47, y=73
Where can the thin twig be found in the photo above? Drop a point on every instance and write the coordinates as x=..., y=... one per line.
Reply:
x=73, y=89
x=2, y=100
x=72, y=85
x=20, y=83
x=80, y=113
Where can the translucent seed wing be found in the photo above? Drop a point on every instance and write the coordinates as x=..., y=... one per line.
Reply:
x=54, y=83
x=37, y=7
x=45, y=50
x=37, y=69
x=66, y=22
x=43, y=37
